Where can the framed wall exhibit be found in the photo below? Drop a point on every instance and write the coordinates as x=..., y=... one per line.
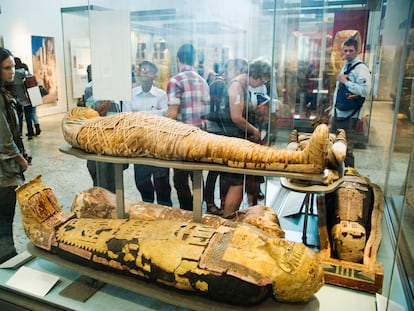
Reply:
x=44, y=66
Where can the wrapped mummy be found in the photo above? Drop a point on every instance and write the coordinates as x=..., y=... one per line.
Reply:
x=336, y=151
x=234, y=262
x=140, y=134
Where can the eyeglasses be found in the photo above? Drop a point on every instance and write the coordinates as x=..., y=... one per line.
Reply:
x=263, y=80
x=146, y=70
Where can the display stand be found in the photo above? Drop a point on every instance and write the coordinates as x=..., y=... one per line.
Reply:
x=196, y=167
x=169, y=295
x=307, y=205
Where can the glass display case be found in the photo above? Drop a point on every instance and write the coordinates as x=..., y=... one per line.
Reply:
x=399, y=174
x=308, y=57
x=302, y=40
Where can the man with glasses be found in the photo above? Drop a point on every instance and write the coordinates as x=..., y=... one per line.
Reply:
x=147, y=97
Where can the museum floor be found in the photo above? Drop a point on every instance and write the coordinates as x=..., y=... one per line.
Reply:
x=67, y=175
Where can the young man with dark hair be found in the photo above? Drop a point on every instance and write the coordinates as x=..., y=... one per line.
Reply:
x=188, y=100
x=357, y=80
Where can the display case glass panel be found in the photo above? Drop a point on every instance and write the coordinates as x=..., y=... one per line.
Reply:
x=398, y=49
x=309, y=56
x=302, y=40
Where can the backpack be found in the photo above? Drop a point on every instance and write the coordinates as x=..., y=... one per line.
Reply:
x=219, y=119
x=217, y=87
x=30, y=82
x=345, y=99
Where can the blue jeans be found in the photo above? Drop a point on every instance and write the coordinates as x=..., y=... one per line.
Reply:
x=28, y=115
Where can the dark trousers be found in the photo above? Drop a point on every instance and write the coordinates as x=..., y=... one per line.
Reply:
x=19, y=109
x=350, y=126
x=210, y=186
x=182, y=186
x=150, y=180
x=7, y=209
x=103, y=174
x=28, y=111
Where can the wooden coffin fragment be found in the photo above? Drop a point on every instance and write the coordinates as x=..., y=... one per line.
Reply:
x=366, y=274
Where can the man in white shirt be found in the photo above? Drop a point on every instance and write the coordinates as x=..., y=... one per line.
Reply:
x=356, y=76
x=147, y=97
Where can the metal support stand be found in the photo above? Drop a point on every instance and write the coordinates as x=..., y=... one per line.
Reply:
x=307, y=206
x=196, y=167
x=119, y=190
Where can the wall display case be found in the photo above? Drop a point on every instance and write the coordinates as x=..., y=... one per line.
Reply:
x=308, y=58
x=399, y=186
x=302, y=41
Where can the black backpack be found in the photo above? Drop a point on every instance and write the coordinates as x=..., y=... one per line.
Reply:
x=219, y=119
x=217, y=87
x=345, y=99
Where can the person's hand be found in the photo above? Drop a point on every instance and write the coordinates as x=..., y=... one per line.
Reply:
x=28, y=158
x=22, y=161
x=172, y=112
x=103, y=107
x=342, y=78
x=255, y=135
x=263, y=111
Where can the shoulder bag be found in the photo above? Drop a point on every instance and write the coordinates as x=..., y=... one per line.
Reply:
x=345, y=99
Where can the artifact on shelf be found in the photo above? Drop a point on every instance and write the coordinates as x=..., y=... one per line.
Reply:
x=141, y=134
x=234, y=262
x=161, y=57
x=140, y=56
x=336, y=151
x=337, y=60
x=350, y=222
x=351, y=234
